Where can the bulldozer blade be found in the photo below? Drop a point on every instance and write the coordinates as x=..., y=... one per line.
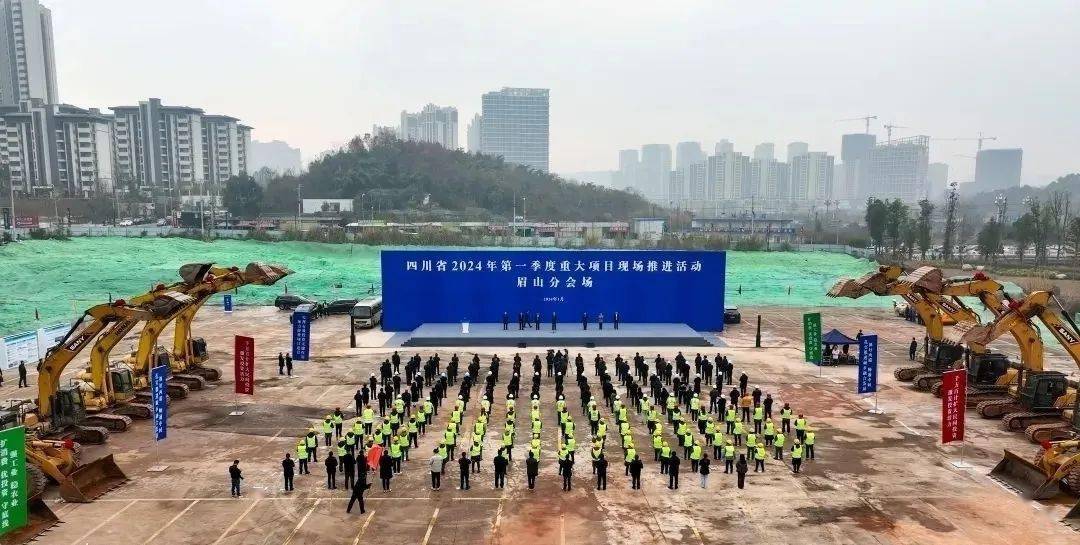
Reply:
x=1020, y=474
x=92, y=480
x=1072, y=518
x=39, y=518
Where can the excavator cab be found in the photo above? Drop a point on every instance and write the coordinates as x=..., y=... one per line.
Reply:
x=67, y=407
x=1040, y=390
x=123, y=383
x=941, y=356
x=987, y=368
x=199, y=354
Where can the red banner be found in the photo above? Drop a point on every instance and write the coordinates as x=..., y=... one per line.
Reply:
x=953, y=405
x=244, y=365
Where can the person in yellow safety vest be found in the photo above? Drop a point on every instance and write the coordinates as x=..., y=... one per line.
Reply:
x=429, y=410
x=377, y=437
x=414, y=433
x=339, y=420
x=302, y=455
x=770, y=432
x=450, y=440
x=695, y=407
x=601, y=429
x=327, y=429
x=387, y=432
x=511, y=403
x=508, y=445
x=695, y=456
x=657, y=444
x=631, y=453
x=729, y=457
x=740, y=431
x=455, y=417
x=796, y=456
x=622, y=414
x=568, y=427
x=476, y=452
x=687, y=443
x=710, y=431
x=800, y=428
x=665, y=454
x=459, y=404
x=395, y=455
x=534, y=444
x=595, y=454
x=564, y=454
x=759, y=458
x=509, y=426
x=624, y=427
x=368, y=418
x=350, y=442
x=534, y=414
x=785, y=419
x=809, y=443
x=718, y=444
x=670, y=405
x=341, y=450
x=759, y=418
x=403, y=442
x=560, y=404
x=442, y=453
x=571, y=446
x=399, y=405
x=627, y=441
x=778, y=446
x=485, y=405
x=358, y=428
x=751, y=444
x=536, y=426
x=730, y=415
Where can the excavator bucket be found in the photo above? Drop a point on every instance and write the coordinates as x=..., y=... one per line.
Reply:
x=39, y=518
x=92, y=480
x=848, y=288
x=929, y=278
x=974, y=333
x=958, y=334
x=193, y=273
x=265, y=274
x=1020, y=474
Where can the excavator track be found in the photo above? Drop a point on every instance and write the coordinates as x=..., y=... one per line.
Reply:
x=174, y=390
x=141, y=411
x=907, y=374
x=997, y=408
x=925, y=381
x=111, y=422
x=91, y=435
x=210, y=374
x=193, y=382
x=1055, y=431
x=1021, y=420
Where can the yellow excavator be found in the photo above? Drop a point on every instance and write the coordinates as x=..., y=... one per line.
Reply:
x=200, y=282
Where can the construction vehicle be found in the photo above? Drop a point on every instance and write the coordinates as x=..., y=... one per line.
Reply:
x=200, y=281
x=1055, y=467
x=1043, y=406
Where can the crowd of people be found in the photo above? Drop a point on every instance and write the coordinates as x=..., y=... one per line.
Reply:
x=668, y=398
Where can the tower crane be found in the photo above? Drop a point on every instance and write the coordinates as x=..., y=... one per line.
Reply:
x=888, y=131
x=865, y=118
x=978, y=139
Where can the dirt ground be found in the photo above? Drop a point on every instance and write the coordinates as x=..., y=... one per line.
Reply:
x=876, y=479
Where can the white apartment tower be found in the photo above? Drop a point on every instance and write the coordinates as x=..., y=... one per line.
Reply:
x=27, y=66
x=57, y=149
x=433, y=123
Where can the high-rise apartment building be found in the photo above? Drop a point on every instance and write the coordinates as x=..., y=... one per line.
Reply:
x=811, y=177
x=795, y=149
x=855, y=155
x=435, y=124
x=472, y=134
x=937, y=178
x=516, y=126
x=169, y=147
x=997, y=169
x=765, y=150
x=655, y=171
x=687, y=153
x=57, y=149
x=27, y=65
x=727, y=175
x=897, y=169
x=627, y=175
x=724, y=146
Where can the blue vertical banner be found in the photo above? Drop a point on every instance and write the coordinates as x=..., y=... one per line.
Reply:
x=301, y=336
x=159, y=377
x=868, y=362
x=227, y=302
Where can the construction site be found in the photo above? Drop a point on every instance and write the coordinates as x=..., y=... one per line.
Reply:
x=880, y=473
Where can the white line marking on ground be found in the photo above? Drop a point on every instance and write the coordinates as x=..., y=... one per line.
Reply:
x=363, y=528
x=431, y=525
x=83, y=537
x=235, y=522
x=495, y=523
x=171, y=521
x=909, y=428
x=275, y=436
x=562, y=529
x=302, y=521
x=327, y=391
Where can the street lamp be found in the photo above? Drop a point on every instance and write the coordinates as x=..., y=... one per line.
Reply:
x=299, y=205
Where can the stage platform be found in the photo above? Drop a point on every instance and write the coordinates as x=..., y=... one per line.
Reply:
x=566, y=335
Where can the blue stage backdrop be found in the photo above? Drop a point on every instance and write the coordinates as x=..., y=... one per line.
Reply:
x=643, y=286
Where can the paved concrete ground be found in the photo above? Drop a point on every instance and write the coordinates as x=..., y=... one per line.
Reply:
x=877, y=478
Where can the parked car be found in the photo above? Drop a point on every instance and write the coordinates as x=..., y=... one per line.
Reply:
x=732, y=314
x=289, y=301
x=339, y=306
x=316, y=310
x=127, y=222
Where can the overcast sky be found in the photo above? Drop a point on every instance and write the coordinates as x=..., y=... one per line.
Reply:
x=621, y=74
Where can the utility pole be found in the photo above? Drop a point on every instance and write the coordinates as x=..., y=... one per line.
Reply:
x=299, y=205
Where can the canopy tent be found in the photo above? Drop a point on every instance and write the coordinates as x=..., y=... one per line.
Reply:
x=835, y=337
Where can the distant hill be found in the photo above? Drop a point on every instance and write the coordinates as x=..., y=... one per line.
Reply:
x=983, y=203
x=427, y=180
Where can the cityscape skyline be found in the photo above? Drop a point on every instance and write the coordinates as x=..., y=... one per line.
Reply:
x=343, y=46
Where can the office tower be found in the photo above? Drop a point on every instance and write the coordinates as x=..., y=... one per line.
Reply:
x=724, y=146
x=655, y=172
x=472, y=133
x=687, y=153
x=937, y=178
x=997, y=169
x=57, y=149
x=627, y=175
x=275, y=155
x=766, y=150
x=27, y=66
x=855, y=155
x=434, y=124
x=796, y=149
x=897, y=169
x=811, y=177
x=170, y=147
x=516, y=126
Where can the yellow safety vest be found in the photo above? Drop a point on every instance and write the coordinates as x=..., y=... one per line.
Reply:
x=695, y=453
x=779, y=441
x=800, y=424
x=810, y=438
x=369, y=415
x=796, y=453
x=327, y=427
x=729, y=452
x=759, y=413
x=630, y=454
x=301, y=451
x=312, y=441
x=759, y=454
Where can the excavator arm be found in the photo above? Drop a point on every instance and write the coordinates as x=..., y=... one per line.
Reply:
x=991, y=294
x=1036, y=305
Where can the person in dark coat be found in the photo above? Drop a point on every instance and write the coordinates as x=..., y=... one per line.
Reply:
x=287, y=466
x=288, y=364
x=22, y=374
x=743, y=380
x=506, y=321
x=500, y=462
x=673, y=471
x=567, y=472
x=386, y=470
x=740, y=469
x=358, y=494
x=635, y=472
x=585, y=321
x=348, y=468
x=464, y=464
x=538, y=321
x=235, y=476
x=601, y=473
x=615, y=320
x=532, y=469
x=280, y=363
x=331, y=470
x=554, y=321
x=912, y=349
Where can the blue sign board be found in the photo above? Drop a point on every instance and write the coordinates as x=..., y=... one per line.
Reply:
x=159, y=377
x=227, y=301
x=643, y=286
x=301, y=336
x=868, y=360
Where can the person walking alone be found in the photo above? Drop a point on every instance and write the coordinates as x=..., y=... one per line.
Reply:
x=532, y=469
x=741, y=469
x=22, y=374
x=235, y=476
x=287, y=466
x=436, y=469
x=635, y=473
x=331, y=470
x=673, y=471
x=703, y=470
x=358, y=495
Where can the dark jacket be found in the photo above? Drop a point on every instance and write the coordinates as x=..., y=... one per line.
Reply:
x=703, y=466
x=532, y=467
x=234, y=473
x=287, y=466
x=386, y=466
x=635, y=467
x=500, y=464
x=331, y=464
x=601, y=466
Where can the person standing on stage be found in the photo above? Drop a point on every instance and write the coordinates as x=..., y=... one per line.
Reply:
x=554, y=321
x=600, y=320
x=615, y=320
x=584, y=321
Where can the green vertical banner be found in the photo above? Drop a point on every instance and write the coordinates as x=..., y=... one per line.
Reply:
x=812, y=337
x=12, y=479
